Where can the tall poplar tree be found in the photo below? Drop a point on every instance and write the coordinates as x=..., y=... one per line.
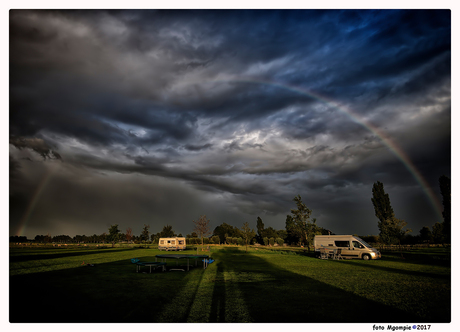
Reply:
x=391, y=228
x=381, y=201
x=260, y=230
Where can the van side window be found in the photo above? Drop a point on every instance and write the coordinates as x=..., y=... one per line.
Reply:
x=343, y=244
x=358, y=245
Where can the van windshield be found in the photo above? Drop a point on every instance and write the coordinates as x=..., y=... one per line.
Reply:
x=365, y=243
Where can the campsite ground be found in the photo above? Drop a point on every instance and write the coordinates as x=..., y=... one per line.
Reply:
x=263, y=285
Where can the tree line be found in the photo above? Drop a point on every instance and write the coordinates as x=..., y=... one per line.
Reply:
x=300, y=229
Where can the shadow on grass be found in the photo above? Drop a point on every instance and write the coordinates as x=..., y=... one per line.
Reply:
x=276, y=295
x=217, y=314
x=62, y=254
x=104, y=293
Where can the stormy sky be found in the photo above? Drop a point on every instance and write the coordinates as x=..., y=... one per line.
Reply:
x=159, y=116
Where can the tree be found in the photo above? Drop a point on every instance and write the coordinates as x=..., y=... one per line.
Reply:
x=438, y=233
x=103, y=237
x=425, y=234
x=444, y=183
x=384, y=212
x=145, y=233
x=392, y=230
x=19, y=239
x=114, y=234
x=47, y=238
x=129, y=234
x=300, y=225
x=223, y=231
x=282, y=234
x=270, y=232
x=266, y=241
x=280, y=241
x=247, y=234
x=290, y=236
x=215, y=239
x=202, y=227
x=381, y=202
x=260, y=230
x=312, y=230
x=167, y=231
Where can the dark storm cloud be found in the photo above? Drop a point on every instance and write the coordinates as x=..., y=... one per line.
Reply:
x=217, y=103
x=36, y=144
x=192, y=147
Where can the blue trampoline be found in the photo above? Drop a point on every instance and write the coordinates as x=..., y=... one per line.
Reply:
x=204, y=258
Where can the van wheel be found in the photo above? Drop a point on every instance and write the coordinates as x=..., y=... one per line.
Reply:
x=366, y=257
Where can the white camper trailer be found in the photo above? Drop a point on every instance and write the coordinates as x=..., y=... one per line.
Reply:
x=351, y=246
x=171, y=243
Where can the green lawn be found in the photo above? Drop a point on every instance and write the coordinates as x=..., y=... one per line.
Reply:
x=51, y=285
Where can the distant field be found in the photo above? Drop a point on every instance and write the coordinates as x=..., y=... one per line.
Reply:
x=263, y=285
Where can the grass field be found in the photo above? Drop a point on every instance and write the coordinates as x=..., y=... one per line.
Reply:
x=52, y=285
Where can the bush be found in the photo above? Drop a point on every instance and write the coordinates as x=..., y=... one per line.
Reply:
x=266, y=241
x=215, y=239
x=194, y=240
x=240, y=241
x=280, y=241
x=271, y=241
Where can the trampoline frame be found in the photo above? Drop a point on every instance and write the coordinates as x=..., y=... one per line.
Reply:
x=184, y=256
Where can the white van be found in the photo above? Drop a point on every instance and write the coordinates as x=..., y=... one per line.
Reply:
x=352, y=246
x=171, y=243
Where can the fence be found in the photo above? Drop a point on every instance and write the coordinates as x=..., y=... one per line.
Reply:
x=395, y=247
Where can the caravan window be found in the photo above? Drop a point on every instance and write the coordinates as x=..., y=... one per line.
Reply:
x=162, y=242
x=173, y=241
x=181, y=241
x=343, y=244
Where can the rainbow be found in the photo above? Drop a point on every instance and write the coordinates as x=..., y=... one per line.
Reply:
x=35, y=198
x=386, y=140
